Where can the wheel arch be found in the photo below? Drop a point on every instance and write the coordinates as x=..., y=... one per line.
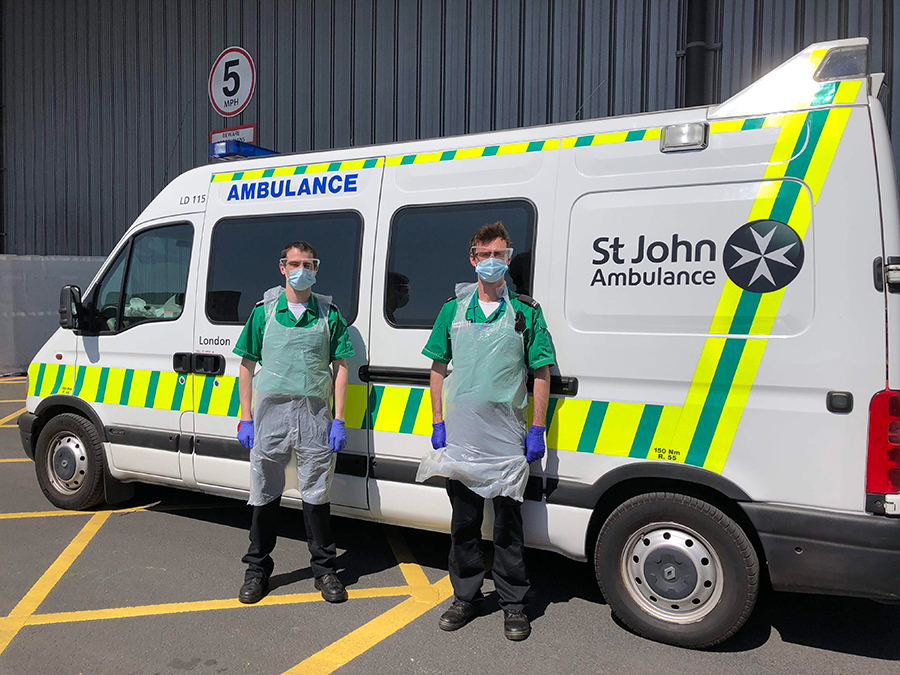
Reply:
x=624, y=482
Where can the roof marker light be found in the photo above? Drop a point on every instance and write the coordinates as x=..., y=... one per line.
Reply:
x=844, y=63
x=688, y=136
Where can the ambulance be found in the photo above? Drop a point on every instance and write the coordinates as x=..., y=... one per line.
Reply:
x=721, y=284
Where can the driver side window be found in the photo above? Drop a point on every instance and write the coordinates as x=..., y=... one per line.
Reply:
x=153, y=271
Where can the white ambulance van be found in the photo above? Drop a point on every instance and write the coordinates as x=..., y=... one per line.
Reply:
x=722, y=286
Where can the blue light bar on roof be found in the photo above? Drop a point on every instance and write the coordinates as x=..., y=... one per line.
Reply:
x=237, y=150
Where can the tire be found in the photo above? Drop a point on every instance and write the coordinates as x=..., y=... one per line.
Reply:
x=68, y=461
x=676, y=569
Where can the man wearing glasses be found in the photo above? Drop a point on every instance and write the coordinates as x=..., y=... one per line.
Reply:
x=294, y=334
x=493, y=337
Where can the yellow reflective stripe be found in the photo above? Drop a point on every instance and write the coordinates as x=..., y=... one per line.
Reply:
x=165, y=390
x=568, y=143
x=734, y=406
x=68, y=382
x=140, y=383
x=427, y=157
x=665, y=431
x=318, y=168
x=355, y=406
x=552, y=144
x=222, y=177
x=391, y=409
x=256, y=173
x=394, y=161
x=33, y=369
x=847, y=92
x=650, y=134
x=512, y=148
x=469, y=153
x=614, y=137
x=568, y=423
x=815, y=58
x=50, y=372
x=424, y=418
x=220, y=398
x=283, y=171
x=620, y=425
x=696, y=397
x=726, y=126
x=352, y=164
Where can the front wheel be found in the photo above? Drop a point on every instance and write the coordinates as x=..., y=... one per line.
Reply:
x=68, y=461
x=676, y=569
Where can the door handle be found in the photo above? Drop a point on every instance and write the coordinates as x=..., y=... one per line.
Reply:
x=208, y=364
x=182, y=362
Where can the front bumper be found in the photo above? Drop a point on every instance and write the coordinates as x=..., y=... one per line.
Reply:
x=811, y=551
x=26, y=426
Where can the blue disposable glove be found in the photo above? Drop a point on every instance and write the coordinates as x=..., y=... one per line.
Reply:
x=246, y=433
x=338, y=437
x=534, y=444
x=439, y=435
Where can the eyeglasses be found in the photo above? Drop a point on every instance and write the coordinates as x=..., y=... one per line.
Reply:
x=308, y=264
x=483, y=253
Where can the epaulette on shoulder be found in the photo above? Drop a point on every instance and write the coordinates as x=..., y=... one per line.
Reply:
x=450, y=299
x=528, y=300
x=261, y=302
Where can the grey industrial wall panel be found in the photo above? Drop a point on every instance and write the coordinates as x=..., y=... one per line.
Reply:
x=105, y=101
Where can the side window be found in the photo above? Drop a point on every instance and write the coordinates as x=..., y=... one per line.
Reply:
x=154, y=269
x=157, y=274
x=109, y=294
x=428, y=255
x=243, y=261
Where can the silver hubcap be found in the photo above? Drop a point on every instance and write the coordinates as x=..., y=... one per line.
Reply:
x=672, y=572
x=67, y=462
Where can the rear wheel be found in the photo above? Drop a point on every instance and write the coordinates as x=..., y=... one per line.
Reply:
x=676, y=569
x=68, y=461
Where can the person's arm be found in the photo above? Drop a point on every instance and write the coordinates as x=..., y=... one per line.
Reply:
x=541, y=395
x=438, y=373
x=245, y=388
x=340, y=387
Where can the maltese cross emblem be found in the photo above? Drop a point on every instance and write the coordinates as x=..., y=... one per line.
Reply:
x=763, y=256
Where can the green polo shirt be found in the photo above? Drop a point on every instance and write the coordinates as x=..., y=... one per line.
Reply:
x=538, y=348
x=249, y=344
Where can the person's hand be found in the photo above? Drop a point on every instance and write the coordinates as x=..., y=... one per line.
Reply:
x=534, y=444
x=439, y=435
x=338, y=437
x=246, y=433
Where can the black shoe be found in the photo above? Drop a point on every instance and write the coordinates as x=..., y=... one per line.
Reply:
x=253, y=590
x=515, y=625
x=459, y=614
x=332, y=588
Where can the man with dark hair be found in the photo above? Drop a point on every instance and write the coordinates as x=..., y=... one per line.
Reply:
x=294, y=334
x=397, y=294
x=493, y=336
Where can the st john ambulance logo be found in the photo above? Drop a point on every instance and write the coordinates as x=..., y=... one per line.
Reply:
x=763, y=256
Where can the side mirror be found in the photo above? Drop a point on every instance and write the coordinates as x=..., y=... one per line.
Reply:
x=69, y=307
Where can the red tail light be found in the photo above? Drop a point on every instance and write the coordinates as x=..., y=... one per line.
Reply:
x=883, y=469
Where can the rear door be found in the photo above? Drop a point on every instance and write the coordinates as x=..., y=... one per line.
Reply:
x=251, y=216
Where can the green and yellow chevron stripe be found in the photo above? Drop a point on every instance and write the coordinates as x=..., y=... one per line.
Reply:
x=471, y=153
x=325, y=167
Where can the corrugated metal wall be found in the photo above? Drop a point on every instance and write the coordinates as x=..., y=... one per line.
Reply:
x=105, y=101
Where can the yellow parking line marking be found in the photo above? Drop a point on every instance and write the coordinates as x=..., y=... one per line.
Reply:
x=13, y=380
x=367, y=636
x=411, y=571
x=17, y=618
x=8, y=426
x=14, y=459
x=203, y=606
x=4, y=420
x=152, y=508
x=13, y=400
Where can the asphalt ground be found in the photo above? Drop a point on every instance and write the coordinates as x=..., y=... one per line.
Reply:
x=150, y=586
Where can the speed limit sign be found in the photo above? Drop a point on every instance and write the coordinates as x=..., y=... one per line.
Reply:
x=232, y=81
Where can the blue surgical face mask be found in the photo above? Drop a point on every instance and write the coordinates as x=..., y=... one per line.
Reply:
x=491, y=270
x=301, y=279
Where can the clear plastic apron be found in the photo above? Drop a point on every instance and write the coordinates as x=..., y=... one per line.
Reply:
x=485, y=405
x=292, y=410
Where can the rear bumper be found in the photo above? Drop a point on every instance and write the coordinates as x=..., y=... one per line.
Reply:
x=810, y=551
x=26, y=426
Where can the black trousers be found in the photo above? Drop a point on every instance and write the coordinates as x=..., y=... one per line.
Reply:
x=466, y=558
x=264, y=533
